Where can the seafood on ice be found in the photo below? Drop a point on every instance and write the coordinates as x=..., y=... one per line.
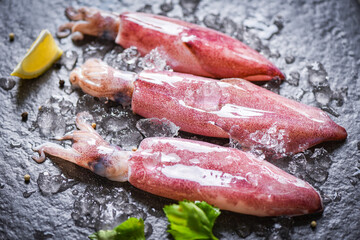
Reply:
x=186, y=47
x=186, y=169
x=227, y=108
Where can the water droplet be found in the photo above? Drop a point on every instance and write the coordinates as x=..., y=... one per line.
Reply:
x=146, y=9
x=167, y=6
x=148, y=229
x=330, y=110
x=326, y=199
x=273, y=85
x=275, y=54
x=353, y=181
x=294, y=78
x=15, y=144
x=7, y=83
x=337, y=197
x=289, y=59
x=27, y=194
x=41, y=235
x=75, y=192
x=243, y=230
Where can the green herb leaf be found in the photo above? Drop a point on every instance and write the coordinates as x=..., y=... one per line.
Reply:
x=189, y=220
x=131, y=229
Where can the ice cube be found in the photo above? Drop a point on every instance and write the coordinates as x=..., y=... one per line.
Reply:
x=322, y=158
x=323, y=95
x=154, y=127
x=69, y=59
x=316, y=173
x=212, y=21
x=317, y=75
x=189, y=6
x=49, y=184
x=228, y=26
x=49, y=123
x=53, y=116
x=208, y=96
x=297, y=165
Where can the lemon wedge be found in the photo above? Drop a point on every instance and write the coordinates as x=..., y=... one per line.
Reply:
x=41, y=55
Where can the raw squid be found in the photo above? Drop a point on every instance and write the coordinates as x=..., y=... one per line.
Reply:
x=232, y=107
x=185, y=169
x=187, y=47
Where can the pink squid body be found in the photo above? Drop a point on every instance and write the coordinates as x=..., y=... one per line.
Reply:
x=225, y=177
x=194, y=49
x=249, y=113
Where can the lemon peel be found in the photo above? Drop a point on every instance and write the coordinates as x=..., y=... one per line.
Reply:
x=39, y=58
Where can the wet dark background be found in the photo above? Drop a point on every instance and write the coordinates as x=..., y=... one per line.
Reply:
x=315, y=43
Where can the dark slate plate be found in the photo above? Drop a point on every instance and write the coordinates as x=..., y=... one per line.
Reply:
x=310, y=41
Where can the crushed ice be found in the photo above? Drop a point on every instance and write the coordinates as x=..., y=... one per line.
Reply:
x=324, y=95
x=131, y=60
x=273, y=140
x=100, y=207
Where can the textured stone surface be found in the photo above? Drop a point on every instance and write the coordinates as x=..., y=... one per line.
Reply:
x=315, y=43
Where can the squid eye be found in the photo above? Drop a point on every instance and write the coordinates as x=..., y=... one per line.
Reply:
x=99, y=166
x=99, y=169
x=73, y=79
x=122, y=99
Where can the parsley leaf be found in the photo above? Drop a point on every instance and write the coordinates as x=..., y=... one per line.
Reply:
x=189, y=220
x=131, y=229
